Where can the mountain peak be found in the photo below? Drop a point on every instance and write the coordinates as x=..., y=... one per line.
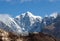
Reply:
x=28, y=14
x=25, y=14
x=29, y=22
x=54, y=15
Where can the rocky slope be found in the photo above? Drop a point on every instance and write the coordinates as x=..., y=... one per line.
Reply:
x=6, y=36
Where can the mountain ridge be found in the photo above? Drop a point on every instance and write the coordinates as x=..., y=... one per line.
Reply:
x=28, y=23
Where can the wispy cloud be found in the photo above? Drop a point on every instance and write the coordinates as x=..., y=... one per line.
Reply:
x=22, y=1
x=54, y=0
x=51, y=0
x=6, y=0
x=16, y=1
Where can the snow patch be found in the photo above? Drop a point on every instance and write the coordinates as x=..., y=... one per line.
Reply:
x=54, y=15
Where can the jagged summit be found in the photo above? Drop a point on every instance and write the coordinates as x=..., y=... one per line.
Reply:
x=25, y=14
x=28, y=14
x=29, y=22
x=54, y=15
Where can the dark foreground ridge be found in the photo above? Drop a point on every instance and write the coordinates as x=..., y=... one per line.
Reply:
x=5, y=36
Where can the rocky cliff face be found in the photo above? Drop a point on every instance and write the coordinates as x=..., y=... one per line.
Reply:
x=5, y=36
x=52, y=26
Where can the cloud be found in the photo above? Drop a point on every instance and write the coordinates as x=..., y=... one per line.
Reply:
x=6, y=0
x=54, y=0
x=22, y=1
x=17, y=1
x=51, y=0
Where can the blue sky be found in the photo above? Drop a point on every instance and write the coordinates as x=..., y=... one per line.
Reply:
x=37, y=7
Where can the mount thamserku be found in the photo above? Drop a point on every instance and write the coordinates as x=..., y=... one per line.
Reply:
x=28, y=23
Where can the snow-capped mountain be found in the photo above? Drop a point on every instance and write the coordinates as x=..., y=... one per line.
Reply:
x=52, y=25
x=8, y=24
x=22, y=24
x=29, y=22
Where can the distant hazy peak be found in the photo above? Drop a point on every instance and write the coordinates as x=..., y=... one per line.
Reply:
x=46, y=16
x=54, y=15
